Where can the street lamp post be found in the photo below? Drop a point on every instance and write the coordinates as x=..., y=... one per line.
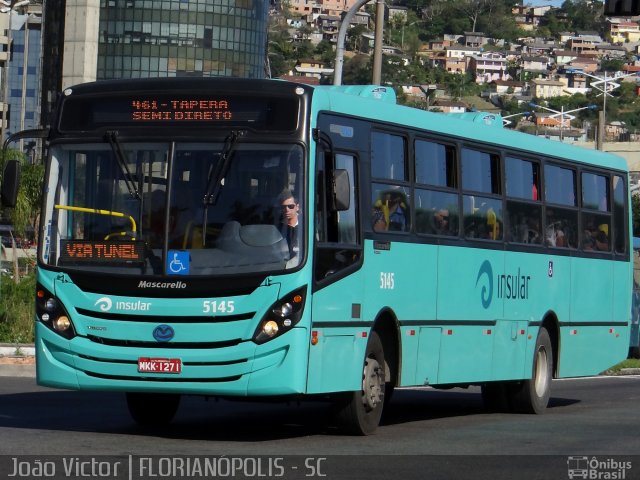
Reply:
x=377, y=50
x=608, y=84
x=562, y=113
x=506, y=122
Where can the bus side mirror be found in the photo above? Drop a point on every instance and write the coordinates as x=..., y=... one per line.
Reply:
x=341, y=190
x=10, y=183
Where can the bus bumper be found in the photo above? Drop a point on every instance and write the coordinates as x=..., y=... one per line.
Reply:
x=277, y=367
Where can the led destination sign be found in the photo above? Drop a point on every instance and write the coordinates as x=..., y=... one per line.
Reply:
x=83, y=251
x=152, y=110
x=180, y=110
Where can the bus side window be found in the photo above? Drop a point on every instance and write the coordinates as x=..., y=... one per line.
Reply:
x=482, y=217
x=336, y=232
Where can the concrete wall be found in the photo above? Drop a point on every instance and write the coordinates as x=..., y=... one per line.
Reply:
x=630, y=151
x=80, y=59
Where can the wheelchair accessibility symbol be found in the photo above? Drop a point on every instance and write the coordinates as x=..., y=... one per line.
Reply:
x=177, y=263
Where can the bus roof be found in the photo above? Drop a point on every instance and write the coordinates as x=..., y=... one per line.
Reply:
x=373, y=101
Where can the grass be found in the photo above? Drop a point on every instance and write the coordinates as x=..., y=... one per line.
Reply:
x=17, y=310
x=628, y=363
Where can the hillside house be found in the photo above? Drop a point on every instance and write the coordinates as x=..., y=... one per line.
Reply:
x=582, y=46
x=623, y=31
x=475, y=39
x=611, y=51
x=448, y=106
x=562, y=57
x=508, y=87
x=487, y=67
x=584, y=64
x=329, y=26
x=535, y=64
x=541, y=88
x=311, y=68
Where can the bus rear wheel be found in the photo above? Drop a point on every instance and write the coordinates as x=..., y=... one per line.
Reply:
x=152, y=409
x=361, y=410
x=532, y=396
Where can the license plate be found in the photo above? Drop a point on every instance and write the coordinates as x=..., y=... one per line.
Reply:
x=159, y=365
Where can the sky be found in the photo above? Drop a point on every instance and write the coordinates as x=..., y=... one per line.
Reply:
x=535, y=3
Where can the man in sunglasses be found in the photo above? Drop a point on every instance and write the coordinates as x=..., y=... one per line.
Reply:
x=441, y=222
x=289, y=213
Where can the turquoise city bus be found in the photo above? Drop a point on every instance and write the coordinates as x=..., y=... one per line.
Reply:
x=427, y=249
x=634, y=334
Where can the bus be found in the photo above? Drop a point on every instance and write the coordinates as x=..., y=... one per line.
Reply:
x=634, y=334
x=430, y=249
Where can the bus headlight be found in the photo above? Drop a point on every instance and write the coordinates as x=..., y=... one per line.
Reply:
x=50, y=305
x=281, y=317
x=52, y=314
x=62, y=323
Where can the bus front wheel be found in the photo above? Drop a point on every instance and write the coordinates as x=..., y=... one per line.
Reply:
x=532, y=396
x=152, y=409
x=361, y=410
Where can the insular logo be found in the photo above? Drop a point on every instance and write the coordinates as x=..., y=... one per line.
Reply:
x=104, y=304
x=486, y=294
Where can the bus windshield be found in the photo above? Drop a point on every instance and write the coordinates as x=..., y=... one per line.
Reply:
x=158, y=209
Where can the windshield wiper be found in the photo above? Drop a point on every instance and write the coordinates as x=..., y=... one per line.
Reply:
x=222, y=167
x=112, y=137
x=215, y=180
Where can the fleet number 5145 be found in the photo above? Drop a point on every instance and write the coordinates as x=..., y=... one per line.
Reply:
x=387, y=281
x=218, y=306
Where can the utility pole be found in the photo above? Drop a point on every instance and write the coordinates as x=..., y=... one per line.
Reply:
x=342, y=34
x=601, y=127
x=377, y=49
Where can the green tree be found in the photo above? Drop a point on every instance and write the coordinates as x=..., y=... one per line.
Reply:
x=584, y=14
x=550, y=25
x=324, y=50
x=611, y=65
x=27, y=209
x=357, y=70
x=281, y=50
x=354, y=37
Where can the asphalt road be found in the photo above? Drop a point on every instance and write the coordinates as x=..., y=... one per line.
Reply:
x=426, y=434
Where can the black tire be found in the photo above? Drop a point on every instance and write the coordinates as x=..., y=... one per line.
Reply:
x=634, y=352
x=532, y=396
x=361, y=410
x=152, y=409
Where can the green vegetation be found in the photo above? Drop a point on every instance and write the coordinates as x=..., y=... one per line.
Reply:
x=16, y=292
x=17, y=309
x=628, y=363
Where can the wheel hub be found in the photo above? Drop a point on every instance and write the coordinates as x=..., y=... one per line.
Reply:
x=372, y=384
x=541, y=379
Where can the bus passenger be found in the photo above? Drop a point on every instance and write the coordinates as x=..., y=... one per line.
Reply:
x=441, y=222
x=601, y=238
x=397, y=215
x=596, y=238
x=378, y=220
x=493, y=226
x=554, y=233
x=389, y=213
